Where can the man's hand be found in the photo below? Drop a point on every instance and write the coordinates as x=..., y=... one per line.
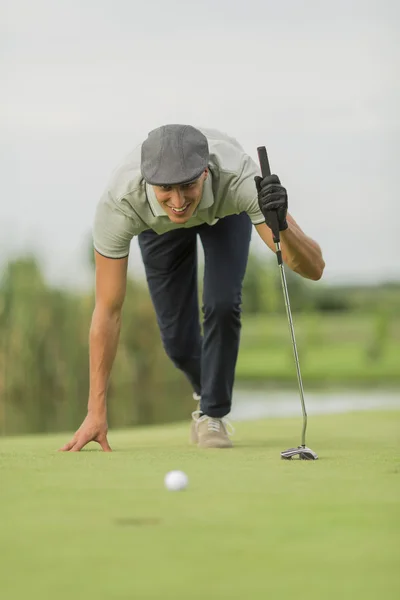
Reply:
x=93, y=429
x=272, y=197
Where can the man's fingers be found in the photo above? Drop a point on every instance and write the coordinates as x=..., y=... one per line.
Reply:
x=79, y=441
x=104, y=444
x=67, y=447
x=79, y=444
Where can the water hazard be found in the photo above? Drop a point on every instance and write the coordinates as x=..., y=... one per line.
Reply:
x=256, y=404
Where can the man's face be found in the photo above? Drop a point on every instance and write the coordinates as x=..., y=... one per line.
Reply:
x=180, y=201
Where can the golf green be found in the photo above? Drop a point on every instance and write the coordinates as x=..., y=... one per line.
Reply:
x=100, y=526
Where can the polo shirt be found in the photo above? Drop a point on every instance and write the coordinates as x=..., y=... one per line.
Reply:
x=129, y=206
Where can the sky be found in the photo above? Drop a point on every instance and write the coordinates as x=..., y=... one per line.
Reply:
x=317, y=82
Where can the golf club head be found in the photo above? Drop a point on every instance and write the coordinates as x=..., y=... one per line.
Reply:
x=302, y=452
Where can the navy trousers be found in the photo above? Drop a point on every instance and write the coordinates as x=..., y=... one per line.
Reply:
x=208, y=360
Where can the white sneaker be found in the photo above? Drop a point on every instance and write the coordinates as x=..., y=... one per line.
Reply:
x=211, y=432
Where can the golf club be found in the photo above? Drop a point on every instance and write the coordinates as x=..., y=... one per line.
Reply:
x=302, y=452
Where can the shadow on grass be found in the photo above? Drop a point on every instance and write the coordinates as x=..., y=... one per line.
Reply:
x=255, y=444
x=137, y=521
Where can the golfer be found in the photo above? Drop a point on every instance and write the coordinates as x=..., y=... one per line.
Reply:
x=180, y=183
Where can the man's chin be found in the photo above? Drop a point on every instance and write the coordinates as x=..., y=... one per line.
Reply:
x=176, y=218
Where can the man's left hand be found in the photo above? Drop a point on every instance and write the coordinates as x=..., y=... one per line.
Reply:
x=272, y=197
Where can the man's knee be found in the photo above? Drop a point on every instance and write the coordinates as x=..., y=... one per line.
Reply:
x=180, y=361
x=182, y=356
x=222, y=311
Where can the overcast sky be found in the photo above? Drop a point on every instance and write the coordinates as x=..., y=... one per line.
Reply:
x=317, y=82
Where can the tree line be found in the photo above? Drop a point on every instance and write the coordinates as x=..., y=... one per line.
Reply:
x=44, y=347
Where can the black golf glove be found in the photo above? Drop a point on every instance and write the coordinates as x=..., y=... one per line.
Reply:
x=272, y=197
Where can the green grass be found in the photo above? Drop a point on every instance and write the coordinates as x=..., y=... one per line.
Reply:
x=333, y=349
x=331, y=327
x=344, y=364
x=101, y=526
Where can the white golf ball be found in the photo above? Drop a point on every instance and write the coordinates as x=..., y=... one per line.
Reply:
x=176, y=481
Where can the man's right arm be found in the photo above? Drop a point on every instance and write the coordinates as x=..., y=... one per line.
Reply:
x=103, y=342
x=105, y=326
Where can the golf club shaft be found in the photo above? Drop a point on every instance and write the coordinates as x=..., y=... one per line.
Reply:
x=296, y=356
x=265, y=171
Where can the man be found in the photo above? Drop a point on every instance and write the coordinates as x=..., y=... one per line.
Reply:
x=183, y=182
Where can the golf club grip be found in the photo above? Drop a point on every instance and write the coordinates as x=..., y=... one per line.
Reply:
x=265, y=172
x=264, y=162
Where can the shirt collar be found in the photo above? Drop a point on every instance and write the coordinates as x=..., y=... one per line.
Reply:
x=207, y=199
x=155, y=206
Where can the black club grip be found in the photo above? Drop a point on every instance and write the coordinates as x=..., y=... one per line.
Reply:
x=265, y=172
x=264, y=162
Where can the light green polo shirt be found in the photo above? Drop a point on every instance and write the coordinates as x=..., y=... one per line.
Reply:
x=129, y=206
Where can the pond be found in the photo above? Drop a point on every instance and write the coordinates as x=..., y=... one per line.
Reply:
x=255, y=404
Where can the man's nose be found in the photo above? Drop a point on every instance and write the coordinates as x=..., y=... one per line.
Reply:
x=178, y=198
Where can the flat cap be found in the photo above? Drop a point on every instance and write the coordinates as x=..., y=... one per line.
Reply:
x=174, y=154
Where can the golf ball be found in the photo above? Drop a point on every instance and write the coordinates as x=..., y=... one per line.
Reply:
x=176, y=481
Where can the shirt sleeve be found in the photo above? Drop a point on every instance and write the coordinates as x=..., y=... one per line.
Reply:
x=244, y=190
x=113, y=230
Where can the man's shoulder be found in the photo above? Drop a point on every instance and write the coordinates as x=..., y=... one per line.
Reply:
x=126, y=179
x=232, y=171
x=226, y=153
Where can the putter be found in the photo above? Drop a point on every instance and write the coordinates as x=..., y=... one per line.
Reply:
x=302, y=452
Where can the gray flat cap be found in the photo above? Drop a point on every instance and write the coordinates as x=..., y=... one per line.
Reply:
x=174, y=154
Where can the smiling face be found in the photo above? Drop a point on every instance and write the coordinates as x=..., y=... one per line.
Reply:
x=180, y=201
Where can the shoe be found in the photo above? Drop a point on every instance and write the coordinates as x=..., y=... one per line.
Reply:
x=210, y=432
x=193, y=430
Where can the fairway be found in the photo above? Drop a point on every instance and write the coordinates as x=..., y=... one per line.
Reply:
x=102, y=526
x=332, y=349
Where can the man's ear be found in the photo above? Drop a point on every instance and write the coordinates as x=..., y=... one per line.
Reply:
x=205, y=173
